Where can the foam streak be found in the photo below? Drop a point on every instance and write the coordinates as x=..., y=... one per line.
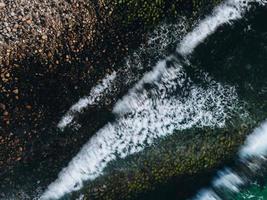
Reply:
x=225, y=13
x=84, y=102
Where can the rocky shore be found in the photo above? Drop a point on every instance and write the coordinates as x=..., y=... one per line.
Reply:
x=51, y=52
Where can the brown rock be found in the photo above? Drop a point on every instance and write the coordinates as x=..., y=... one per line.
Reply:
x=2, y=5
x=44, y=37
x=16, y=91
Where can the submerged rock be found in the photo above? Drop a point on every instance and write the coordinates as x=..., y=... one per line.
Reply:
x=178, y=157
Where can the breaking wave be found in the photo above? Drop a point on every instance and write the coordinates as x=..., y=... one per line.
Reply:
x=164, y=100
x=251, y=155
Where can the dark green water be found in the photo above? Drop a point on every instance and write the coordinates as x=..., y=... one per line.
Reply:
x=238, y=54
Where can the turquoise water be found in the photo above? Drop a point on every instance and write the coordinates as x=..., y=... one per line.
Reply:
x=254, y=192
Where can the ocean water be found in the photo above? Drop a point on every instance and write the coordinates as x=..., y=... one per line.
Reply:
x=240, y=53
x=215, y=76
x=229, y=46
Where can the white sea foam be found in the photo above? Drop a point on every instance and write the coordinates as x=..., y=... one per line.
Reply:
x=207, y=195
x=223, y=14
x=125, y=105
x=228, y=179
x=158, y=40
x=144, y=115
x=95, y=93
x=256, y=144
x=167, y=34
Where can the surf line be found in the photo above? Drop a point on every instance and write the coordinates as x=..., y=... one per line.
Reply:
x=147, y=119
x=225, y=13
